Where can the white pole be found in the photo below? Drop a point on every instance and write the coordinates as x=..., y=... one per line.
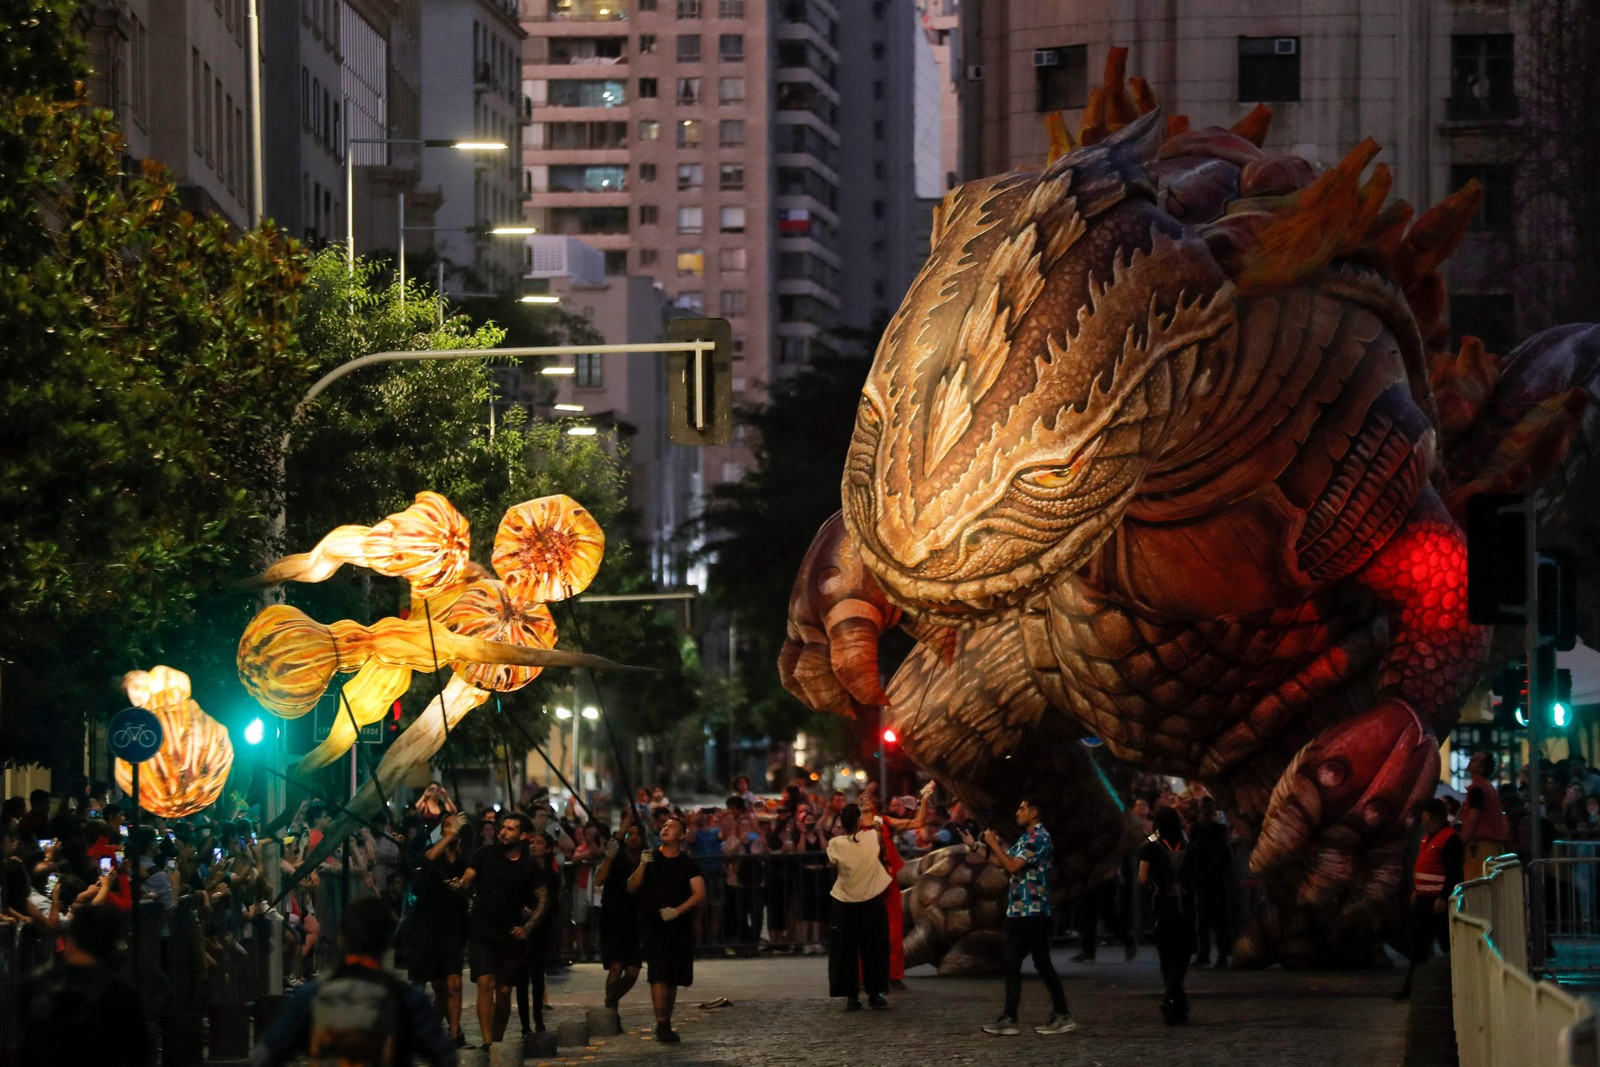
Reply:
x=349, y=194
x=253, y=65
x=402, y=243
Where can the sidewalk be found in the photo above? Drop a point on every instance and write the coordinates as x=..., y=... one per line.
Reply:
x=779, y=1016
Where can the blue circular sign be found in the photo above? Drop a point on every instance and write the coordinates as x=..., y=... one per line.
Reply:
x=135, y=734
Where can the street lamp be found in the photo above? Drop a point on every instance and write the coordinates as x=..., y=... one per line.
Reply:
x=494, y=231
x=458, y=144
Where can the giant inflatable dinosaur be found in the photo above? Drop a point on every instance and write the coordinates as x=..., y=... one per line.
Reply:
x=1165, y=447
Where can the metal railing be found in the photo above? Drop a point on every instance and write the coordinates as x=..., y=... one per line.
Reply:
x=1562, y=903
x=1504, y=1016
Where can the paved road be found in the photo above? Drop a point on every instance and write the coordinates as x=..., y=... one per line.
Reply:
x=779, y=1016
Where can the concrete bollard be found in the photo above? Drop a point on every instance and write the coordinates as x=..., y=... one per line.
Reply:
x=537, y=1046
x=573, y=1034
x=603, y=1022
x=505, y=1054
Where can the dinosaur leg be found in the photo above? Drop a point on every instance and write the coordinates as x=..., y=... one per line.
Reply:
x=1331, y=843
x=982, y=726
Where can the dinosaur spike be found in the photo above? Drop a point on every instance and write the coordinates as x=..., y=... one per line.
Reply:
x=1177, y=124
x=1436, y=234
x=1383, y=237
x=1120, y=106
x=1144, y=97
x=1060, y=137
x=1092, y=128
x=1253, y=127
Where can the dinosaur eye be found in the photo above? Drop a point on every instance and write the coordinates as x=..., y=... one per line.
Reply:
x=867, y=413
x=1055, y=477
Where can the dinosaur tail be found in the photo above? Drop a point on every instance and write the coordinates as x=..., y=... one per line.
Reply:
x=1527, y=423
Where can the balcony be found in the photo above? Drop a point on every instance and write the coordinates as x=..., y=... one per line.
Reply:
x=586, y=11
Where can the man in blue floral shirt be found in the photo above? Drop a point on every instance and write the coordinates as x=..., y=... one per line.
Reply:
x=1028, y=863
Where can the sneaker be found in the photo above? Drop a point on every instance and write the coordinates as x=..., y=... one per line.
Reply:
x=1059, y=1024
x=1083, y=957
x=877, y=1001
x=459, y=1041
x=1005, y=1026
x=897, y=985
x=853, y=1004
x=666, y=1034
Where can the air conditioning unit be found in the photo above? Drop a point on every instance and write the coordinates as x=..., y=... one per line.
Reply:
x=1046, y=57
x=1282, y=46
x=975, y=72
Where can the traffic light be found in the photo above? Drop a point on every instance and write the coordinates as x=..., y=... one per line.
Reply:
x=700, y=384
x=255, y=731
x=1510, y=684
x=1561, y=707
x=890, y=738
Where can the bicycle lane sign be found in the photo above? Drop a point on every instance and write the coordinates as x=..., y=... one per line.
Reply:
x=134, y=735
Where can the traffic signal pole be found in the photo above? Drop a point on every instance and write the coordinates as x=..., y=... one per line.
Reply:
x=1531, y=645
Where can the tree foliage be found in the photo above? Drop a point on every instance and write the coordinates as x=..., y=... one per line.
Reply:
x=148, y=373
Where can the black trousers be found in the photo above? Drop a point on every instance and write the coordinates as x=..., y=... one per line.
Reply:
x=860, y=949
x=1101, y=900
x=1174, y=943
x=1211, y=916
x=1030, y=936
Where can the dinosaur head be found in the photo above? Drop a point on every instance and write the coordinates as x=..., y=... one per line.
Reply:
x=1048, y=352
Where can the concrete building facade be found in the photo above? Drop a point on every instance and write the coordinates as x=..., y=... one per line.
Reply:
x=1435, y=83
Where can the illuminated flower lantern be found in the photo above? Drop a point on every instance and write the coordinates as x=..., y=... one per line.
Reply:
x=496, y=634
x=188, y=771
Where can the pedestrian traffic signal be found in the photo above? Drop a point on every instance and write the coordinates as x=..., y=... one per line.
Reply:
x=1511, y=686
x=1497, y=559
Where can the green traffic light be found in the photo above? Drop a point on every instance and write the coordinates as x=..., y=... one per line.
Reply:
x=1558, y=713
x=254, y=732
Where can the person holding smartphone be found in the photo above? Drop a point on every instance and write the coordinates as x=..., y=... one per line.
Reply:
x=1028, y=911
x=668, y=885
x=860, y=955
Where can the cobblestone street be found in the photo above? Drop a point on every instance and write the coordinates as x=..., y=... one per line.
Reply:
x=779, y=1016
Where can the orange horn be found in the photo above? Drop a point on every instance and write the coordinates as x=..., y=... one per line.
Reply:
x=1436, y=234
x=1253, y=127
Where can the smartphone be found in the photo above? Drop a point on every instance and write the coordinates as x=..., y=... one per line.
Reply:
x=50, y=883
x=105, y=864
x=216, y=855
x=46, y=842
x=172, y=865
x=119, y=855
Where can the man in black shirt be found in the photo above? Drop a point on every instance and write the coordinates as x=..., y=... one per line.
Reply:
x=620, y=952
x=668, y=886
x=511, y=894
x=77, y=1010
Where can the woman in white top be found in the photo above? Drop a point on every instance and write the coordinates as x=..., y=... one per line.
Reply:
x=860, y=953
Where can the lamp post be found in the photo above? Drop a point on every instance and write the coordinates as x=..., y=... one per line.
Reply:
x=494, y=231
x=350, y=170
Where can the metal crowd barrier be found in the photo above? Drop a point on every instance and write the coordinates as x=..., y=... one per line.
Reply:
x=1562, y=904
x=1504, y=1016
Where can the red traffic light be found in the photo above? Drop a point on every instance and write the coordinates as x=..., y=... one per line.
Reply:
x=890, y=737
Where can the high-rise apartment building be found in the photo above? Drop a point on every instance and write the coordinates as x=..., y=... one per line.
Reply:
x=889, y=163
x=696, y=143
x=195, y=120
x=1435, y=84
x=471, y=69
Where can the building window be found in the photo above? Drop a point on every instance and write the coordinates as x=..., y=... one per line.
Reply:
x=732, y=219
x=688, y=90
x=647, y=88
x=688, y=48
x=730, y=9
x=1494, y=213
x=649, y=214
x=730, y=177
x=688, y=9
x=878, y=169
x=647, y=44
x=647, y=5
x=877, y=90
x=689, y=133
x=648, y=257
x=730, y=133
x=649, y=130
x=877, y=209
x=1269, y=69
x=691, y=220
x=691, y=262
x=1062, y=77
x=1486, y=316
x=647, y=172
x=738, y=346
x=732, y=303
x=1481, y=85
x=616, y=263
x=733, y=260
x=197, y=107
x=691, y=300
x=877, y=50
x=588, y=374
x=730, y=47
x=690, y=176
x=730, y=90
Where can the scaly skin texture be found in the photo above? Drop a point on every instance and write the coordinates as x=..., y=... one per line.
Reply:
x=1150, y=453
